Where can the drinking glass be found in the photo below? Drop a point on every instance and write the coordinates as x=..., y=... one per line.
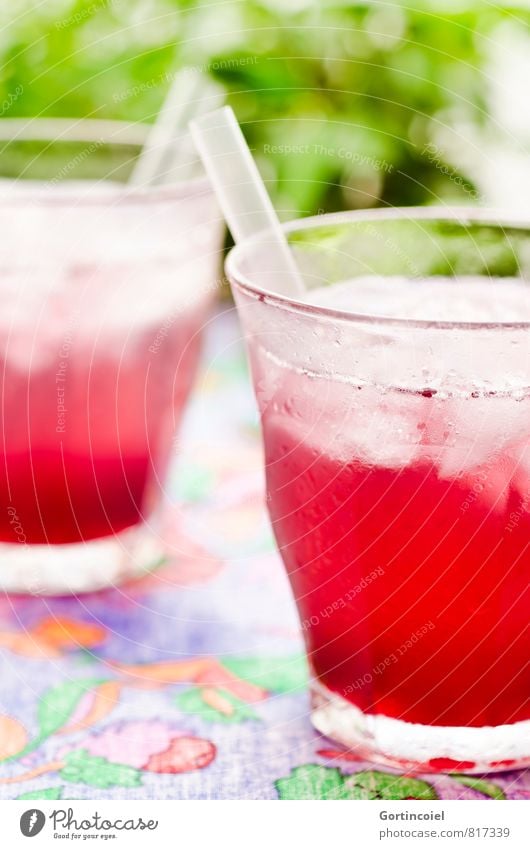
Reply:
x=104, y=290
x=397, y=457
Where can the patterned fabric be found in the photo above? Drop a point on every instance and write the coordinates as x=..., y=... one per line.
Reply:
x=191, y=682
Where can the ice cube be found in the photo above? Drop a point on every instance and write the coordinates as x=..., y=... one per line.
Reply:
x=483, y=429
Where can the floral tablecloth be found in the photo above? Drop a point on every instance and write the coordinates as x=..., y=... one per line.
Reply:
x=189, y=683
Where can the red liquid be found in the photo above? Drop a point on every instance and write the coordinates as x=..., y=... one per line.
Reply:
x=98, y=465
x=413, y=605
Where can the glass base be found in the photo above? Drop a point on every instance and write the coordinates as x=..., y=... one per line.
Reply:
x=80, y=567
x=419, y=748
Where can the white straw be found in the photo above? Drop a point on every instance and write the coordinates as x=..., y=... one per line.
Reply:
x=190, y=94
x=241, y=192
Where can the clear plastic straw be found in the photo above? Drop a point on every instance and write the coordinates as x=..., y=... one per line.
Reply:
x=241, y=192
x=165, y=150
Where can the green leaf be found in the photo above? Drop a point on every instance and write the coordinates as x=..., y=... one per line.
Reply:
x=82, y=768
x=57, y=705
x=47, y=793
x=487, y=788
x=279, y=674
x=330, y=236
x=191, y=701
x=373, y=784
x=312, y=781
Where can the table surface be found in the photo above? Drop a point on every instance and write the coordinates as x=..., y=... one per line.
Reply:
x=189, y=683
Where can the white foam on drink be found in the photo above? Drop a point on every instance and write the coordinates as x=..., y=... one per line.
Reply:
x=460, y=299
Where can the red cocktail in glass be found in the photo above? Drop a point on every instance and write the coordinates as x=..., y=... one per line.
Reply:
x=396, y=431
x=103, y=292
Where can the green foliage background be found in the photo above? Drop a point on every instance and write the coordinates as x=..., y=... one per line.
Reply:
x=356, y=88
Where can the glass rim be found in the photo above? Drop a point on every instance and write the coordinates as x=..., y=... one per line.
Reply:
x=461, y=214
x=107, y=133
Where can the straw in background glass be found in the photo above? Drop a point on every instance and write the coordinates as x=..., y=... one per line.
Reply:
x=167, y=149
